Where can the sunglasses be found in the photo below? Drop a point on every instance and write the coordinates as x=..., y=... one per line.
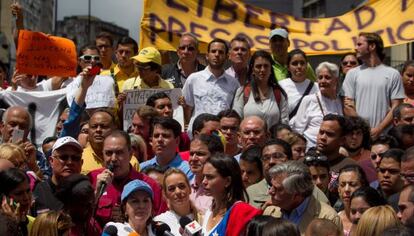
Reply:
x=90, y=57
x=375, y=155
x=352, y=63
x=189, y=48
x=317, y=158
x=65, y=158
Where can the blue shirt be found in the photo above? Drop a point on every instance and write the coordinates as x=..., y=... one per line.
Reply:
x=71, y=127
x=177, y=162
x=296, y=215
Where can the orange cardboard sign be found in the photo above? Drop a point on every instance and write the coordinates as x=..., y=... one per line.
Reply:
x=41, y=54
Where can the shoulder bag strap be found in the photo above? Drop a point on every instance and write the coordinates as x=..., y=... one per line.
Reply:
x=308, y=89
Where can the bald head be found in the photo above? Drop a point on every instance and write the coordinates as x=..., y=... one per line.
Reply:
x=253, y=130
x=5, y=165
x=16, y=117
x=322, y=227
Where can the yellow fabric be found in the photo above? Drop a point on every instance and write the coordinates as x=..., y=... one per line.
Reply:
x=149, y=54
x=31, y=220
x=91, y=161
x=120, y=76
x=138, y=83
x=162, y=22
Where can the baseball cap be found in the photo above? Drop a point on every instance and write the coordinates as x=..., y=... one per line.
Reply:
x=148, y=54
x=136, y=185
x=67, y=140
x=278, y=32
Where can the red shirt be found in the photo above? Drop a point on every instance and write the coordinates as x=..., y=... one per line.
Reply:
x=112, y=196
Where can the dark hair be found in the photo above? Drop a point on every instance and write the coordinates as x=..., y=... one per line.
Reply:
x=386, y=140
x=9, y=226
x=280, y=227
x=229, y=113
x=146, y=112
x=128, y=40
x=10, y=179
x=167, y=123
x=228, y=167
x=408, y=155
x=153, y=168
x=86, y=47
x=374, y=38
x=286, y=146
x=75, y=186
x=256, y=224
x=357, y=169
x=3, y=67
x=271, y=81
x=218, y=40
x=393, y=153
x=151, y=100
x=240, y=38
x=107, y=36
x=312, y=152
x=396, y=113
x=212, y=142
x=406, y=65
x=398, y=231
x=296, y=52
x=358, y=123
x=370, y=196
x=398, y=133
x=121, y=134
x=278, y=127
x=253, y=154
x=201, y=119
x=49, y=139
x=338, y=118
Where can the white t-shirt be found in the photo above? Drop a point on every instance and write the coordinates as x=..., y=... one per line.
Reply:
x=172, y=220
x=44, y=85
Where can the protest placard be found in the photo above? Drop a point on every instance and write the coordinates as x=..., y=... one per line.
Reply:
x=41, y=54
x=138, y=97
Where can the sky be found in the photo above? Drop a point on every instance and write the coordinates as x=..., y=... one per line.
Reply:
x=124, y=13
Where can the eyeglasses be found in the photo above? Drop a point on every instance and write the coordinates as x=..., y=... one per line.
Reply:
x=229, y=128
x=276, y=155
x=408, y=176
x=65, y=158
x=376, y=155
x=352, y=63
x=90, y=57
x=391, y=171
x=316, y=158
x=189, y=48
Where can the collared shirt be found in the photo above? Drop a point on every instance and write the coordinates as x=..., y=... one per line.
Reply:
x=296, y=215
x=91, y=161
x=177, y=162
x=208, y=94
x=199, y=198
x=138, y=83
x=111, y=198
x=120, y=76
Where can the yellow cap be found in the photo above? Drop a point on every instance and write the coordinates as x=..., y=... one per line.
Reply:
x=149, y=54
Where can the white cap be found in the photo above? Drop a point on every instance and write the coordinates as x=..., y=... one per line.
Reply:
x=63, y=141
x=278, y=32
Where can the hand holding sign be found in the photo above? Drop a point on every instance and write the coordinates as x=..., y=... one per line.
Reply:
x=41, y=54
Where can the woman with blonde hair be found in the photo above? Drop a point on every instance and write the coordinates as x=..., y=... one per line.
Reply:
x=52, y=223
x=176, y=189
x=139, y=148
x=375, y=220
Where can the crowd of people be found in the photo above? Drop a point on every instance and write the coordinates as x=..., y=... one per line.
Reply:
x=267, y=146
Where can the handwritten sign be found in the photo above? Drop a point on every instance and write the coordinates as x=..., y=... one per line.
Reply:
x=41, y=54
x=137, y=98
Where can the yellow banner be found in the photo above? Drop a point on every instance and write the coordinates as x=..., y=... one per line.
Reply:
x=164, y=20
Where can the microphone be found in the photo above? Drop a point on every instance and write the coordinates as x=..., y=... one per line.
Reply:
x=103, y=185
x=162, y=229
x=190, y=227
x=110, y=230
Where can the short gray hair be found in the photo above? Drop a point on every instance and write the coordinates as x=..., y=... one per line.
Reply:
x=331, y=67
x=6, y=113
x=191, y=35
x=298, y=180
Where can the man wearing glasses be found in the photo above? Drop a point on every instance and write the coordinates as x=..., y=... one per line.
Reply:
x=187, y=52
x=66, y=160
x=148, y=62
x=407, y=166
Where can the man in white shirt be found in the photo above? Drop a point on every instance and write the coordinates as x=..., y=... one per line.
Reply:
x=210, y=90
